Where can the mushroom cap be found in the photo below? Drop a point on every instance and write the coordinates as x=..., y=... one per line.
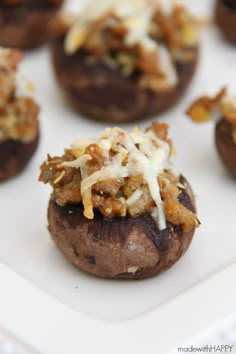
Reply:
x=104, y=93
x=14, y=156
x=119, y=248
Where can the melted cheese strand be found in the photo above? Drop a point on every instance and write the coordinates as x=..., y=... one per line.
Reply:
x=87, y=183
x=125, y=154
x=109, y=172
x=134, y=197
x=150, y=165
x=81, y=161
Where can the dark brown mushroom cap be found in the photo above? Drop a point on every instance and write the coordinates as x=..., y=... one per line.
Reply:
x=230, y=3
x=120, y=248
x=26, y=26
x=14, y=156
x=225, y=17
x=225, y=144
x=103, y=93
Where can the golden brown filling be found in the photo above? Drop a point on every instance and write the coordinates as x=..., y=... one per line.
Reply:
x=221, y=105
x=114, y=175
x=148, y=41
x=18, y=112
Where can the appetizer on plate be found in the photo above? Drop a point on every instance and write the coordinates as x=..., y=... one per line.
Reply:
x=117, y=209
x=19, y=126
x=123, y=60
x=222, y=108
x=24, y=24
x=225, y=18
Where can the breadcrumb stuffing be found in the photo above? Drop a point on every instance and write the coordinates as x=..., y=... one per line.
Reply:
x=138, y=37
x=122, y=177
x=18, y=110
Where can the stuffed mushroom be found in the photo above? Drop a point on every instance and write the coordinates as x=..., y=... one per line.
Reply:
x=222, y=108
x=117, y=209
x=19, y=126
x=120, y=61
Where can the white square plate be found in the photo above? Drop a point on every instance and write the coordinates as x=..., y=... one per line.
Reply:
x=25, y=242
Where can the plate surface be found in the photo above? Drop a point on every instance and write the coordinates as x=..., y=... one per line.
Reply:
x=25, y=242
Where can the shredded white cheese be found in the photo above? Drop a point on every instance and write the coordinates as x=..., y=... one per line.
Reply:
x=79, y=162
x=134, y=197
x=109, y=172
x=135, y=16
x=133, y=154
